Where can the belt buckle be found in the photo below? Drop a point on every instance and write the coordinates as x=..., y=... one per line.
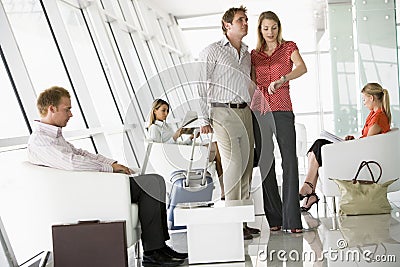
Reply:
x=234, y=105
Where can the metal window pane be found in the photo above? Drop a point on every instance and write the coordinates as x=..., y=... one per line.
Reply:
x=39, y=50
x=90, y=65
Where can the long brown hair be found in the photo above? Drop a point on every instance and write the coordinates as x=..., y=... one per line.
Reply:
x=381, y=94
x=260, y=39
x=156, y=105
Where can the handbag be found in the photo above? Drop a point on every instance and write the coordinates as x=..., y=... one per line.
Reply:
x=364, y=196
x=90, y=243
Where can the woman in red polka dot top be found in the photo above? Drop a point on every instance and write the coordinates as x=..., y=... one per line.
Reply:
x=272, y=69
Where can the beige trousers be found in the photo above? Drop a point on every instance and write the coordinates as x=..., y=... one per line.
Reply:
x=233, y=128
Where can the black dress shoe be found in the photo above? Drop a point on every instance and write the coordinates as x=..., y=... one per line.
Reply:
x=174, y=254
x=253, y=231
x=247, y=235
x=159, y=258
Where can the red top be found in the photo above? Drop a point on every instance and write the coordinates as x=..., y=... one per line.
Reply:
x=376, y=117
x=269, y=69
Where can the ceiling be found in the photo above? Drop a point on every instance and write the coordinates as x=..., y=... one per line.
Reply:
x=188, y=8
x=302, y=20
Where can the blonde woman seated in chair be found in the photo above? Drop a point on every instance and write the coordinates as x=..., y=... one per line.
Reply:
x=159, y=130
x=376, y=99
x=162, y=132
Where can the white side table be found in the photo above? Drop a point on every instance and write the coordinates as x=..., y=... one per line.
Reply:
x=215, y=234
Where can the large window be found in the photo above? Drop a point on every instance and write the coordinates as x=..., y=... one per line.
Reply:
x=90, y=65
x=39, y=50
x=12, y=121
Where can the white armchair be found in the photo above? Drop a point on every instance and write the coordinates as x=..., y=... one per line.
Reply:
x=341, y=160
x=33, y=198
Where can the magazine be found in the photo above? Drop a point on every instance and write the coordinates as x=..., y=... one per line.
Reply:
x=199, y=204
x=331, y=137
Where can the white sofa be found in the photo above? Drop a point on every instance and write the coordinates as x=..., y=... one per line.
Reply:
x=33, y=198
x=341, y=160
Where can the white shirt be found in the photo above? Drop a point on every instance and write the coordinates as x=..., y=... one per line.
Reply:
x=162, y=132
x=47, y=147
x=224, y=75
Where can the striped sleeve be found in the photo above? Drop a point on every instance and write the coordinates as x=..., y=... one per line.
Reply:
x=44, y=150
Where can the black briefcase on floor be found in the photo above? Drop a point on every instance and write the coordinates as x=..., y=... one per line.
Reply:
x=90, y=243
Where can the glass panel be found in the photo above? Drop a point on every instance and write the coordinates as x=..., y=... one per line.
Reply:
x=325, y=82
x=377, y=43
x=137, y=80
x=90, y=66
x=311, y=123
x=119, y=151
x=134, y=137
x=165, y=32
x=304, y=90
x=378, y=49
x=197, y=47
x=344, y=93
x=38, y=50
x=136, y=16
x=13, y=123
x=201, y=21
x=138, y=65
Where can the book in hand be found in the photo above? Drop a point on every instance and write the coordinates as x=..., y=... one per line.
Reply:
x=190, y=117
x=331, y=137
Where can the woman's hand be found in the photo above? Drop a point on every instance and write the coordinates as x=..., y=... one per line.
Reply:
x=274, y=86
x=349, y=137
x=177, y=134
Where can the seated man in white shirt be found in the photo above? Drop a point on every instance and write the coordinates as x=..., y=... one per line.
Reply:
x=48, y=147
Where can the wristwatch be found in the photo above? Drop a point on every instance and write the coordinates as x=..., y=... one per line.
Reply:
x=283, y=78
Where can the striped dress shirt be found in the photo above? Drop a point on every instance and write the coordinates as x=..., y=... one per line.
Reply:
x=47, y=147
x=224, y=75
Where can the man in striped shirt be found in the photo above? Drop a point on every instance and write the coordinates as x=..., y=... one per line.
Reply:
x=48, y=147
x=224, y=93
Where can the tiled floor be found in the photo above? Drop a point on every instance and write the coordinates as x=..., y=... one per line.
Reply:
x=372, y=240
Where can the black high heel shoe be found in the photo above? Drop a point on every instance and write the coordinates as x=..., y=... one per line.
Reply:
x=305, y=209
x=307, y=195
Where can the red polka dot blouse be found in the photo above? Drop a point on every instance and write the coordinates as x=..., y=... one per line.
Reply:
x=269, y=69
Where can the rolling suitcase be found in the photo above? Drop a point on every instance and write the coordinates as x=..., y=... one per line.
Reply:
x=190, y=186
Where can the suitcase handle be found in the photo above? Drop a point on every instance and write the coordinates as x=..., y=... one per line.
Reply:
x=203, y=180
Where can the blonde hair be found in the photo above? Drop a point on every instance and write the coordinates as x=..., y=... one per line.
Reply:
x=381, y=94
x=50, y=97
x=229, y=15
x=261, y=44
x=156, y=105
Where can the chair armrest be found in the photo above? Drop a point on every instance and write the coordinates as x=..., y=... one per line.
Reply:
x=341, y=160
x=34, y=198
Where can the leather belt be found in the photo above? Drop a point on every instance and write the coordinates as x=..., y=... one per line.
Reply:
x=228, y=105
